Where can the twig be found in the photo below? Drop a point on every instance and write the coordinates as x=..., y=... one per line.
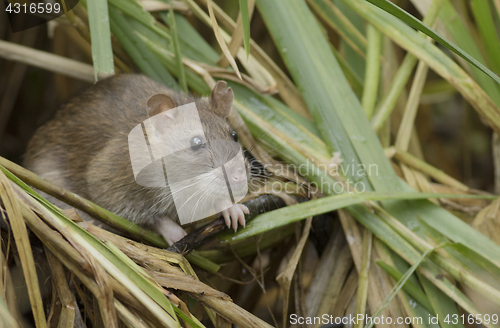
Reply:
x=259, y=205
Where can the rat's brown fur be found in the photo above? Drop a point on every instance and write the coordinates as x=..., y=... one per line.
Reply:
x=84, y=148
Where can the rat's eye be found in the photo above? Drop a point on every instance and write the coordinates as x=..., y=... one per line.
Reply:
x=234, y=135
x=197, y=143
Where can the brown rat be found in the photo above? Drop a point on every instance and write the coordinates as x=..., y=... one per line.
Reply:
x=85, y=149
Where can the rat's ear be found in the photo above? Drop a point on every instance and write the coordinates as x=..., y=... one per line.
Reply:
x=221, y=99
x=158, y=103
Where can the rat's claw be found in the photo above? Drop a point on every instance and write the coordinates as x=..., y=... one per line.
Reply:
x=225, y=214
x=245, y=210
x=235, y=214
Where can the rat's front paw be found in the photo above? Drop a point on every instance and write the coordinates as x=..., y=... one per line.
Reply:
x=235, y=214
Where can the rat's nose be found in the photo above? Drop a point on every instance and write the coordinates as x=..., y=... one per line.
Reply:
x=238, y=176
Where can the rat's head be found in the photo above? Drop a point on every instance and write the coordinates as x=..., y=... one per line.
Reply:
x=196, y=144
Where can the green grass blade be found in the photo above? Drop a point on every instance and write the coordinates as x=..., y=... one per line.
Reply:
x=181, y=74
x=372, y=71
x=459, y=32
x=279, y=116
x=331, y=101
x=193, y=80
x=289, y=214
x=443, y=306
x=398, y=83
x=135, y=11
x=482, y=14
x=354, y=80
x=137, y=50
x=397, y=287
x=337, y=21
x=193, y=46
x=478, y=259
x=464, y=256
x=245, y=20
x=102, y=52
x=415, y=23
x=323, y=85
x=411, y=305
x=356, y=61
x=411, y=288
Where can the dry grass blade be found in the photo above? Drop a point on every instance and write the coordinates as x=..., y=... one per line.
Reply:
x=18, y=226
x=406, y=127
x=284, y=279
x=497, y=6
x=156, y=260
x=127, y=317
x=328, y=297
x=7, y=296
x=81, y=269
x=103, y=292
x=70, y=310
x=397, y=287
x=376, y=283
x=220, y=39
x=363, y=276
x=80, y=237
x=348, y=292
x=423, y=167
x=9, y=314
x=486, y=221
x=48, y=61
x=153, y=5
x=208, y=72
x=188, y=284
x=232, y=312
x=236, y=37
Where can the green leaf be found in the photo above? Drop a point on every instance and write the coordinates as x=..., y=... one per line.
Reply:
x=337, y=20
x=102, y=52
x=415, y=23
x=372, y=71
x=411, y=288
x=324, y=87
x=245, y=20
x=181, y=74
x=289, y=214
x=459, y=31
x=397, y=287
x=441, y=303
x=137, y=50
x=482, y=14
x=406, y=211
x=193, y=46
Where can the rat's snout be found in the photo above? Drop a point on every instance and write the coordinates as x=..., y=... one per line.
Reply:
x=239, y=175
